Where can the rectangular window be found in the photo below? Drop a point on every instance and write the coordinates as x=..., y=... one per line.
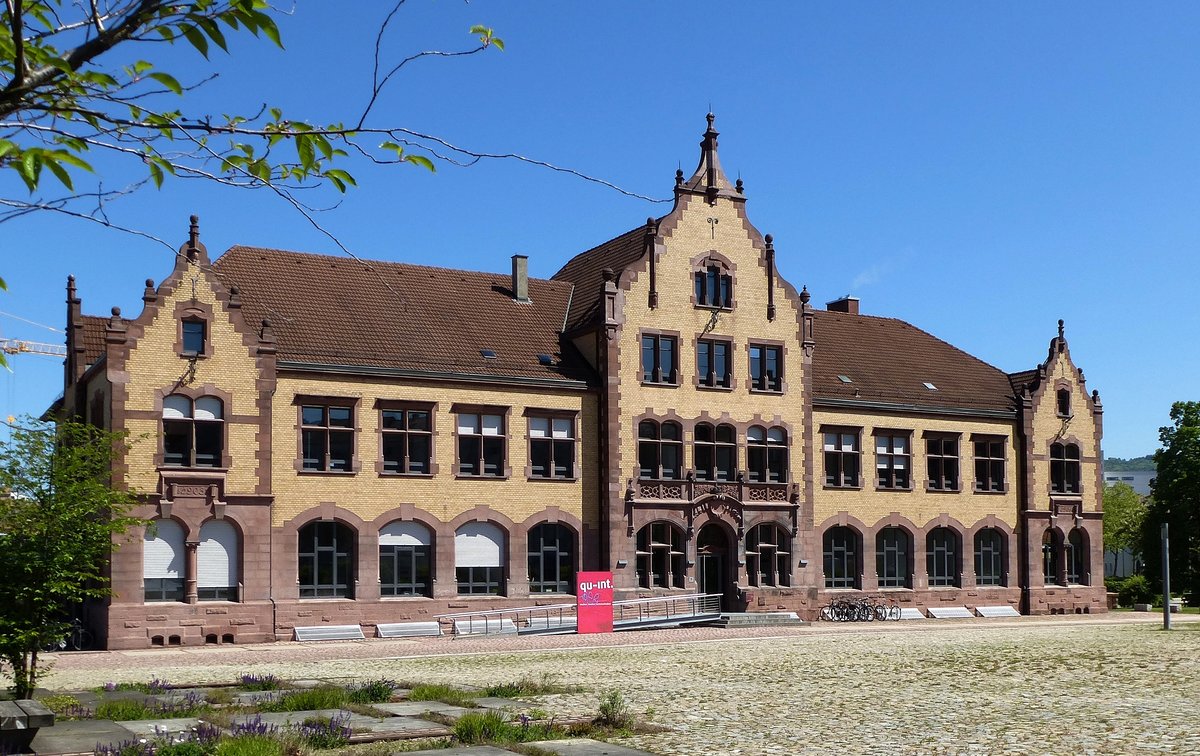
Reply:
x=481, y=440
x=766, y=367
x=659, y=363
x=712, y=362
x=941, y=456
x=989, y=464
x=551, y=447
x=714, y=287
x=327, y=437
x=892, y=461
x=163, y=589
x=407, y=441
x=841, y=459
x=485, y=580
x=193, y=336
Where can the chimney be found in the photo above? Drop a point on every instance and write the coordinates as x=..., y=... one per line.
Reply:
x=520, y=278
x=847, y=304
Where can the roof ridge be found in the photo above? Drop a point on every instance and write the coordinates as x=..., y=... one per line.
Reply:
x=604, y=243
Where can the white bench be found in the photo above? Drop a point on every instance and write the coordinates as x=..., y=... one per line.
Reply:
x=997, y=611
x=484, y=626
x=911, y=613
x=329, y=632
x=950, y=612
x=407, y=629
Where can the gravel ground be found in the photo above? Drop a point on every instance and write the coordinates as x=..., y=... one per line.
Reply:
x=1027, y=686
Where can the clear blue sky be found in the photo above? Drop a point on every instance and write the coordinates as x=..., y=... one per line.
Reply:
x=979, y=170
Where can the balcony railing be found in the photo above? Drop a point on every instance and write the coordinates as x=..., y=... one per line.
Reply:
x=690, y=489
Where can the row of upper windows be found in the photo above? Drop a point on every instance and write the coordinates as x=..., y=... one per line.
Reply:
x=715, y=452
x=194, y=436
x=714, y=363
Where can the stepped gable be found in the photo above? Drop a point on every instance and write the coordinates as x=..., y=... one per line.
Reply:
x=888, y=360
x=93, y=339
x=338, y=311
x=585, y=272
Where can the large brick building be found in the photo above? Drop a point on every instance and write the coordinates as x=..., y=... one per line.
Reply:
x=337, y=441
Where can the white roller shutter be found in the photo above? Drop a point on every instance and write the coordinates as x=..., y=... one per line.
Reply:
x=217, y=556
x=478, y=544
x=208, y=408
x=162, y=554
x=404, y=534
x=176, y=407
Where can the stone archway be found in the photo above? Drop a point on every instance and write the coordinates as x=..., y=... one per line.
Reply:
x=716, y=563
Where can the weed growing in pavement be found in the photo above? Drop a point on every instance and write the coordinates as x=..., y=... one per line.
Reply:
x=125, y=710
x=325, y=697
x=614, y=711
x=373, y=691
x=444, y=693
x=260, y=682
x=496, y=727
x=325, y=732
x=527, y=686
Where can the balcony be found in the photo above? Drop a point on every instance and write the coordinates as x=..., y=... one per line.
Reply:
x=690, y=489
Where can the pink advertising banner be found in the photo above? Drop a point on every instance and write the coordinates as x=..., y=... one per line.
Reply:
x=594, y=601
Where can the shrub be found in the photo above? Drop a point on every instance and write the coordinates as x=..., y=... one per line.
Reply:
x=186, y=748
x=249, y=745
x=1135, y=590
x=305, y=700
x=373, y=691
x=325, y=732
x=260, y=682
x=443, y=693
x=495, y=727
x=614, y=711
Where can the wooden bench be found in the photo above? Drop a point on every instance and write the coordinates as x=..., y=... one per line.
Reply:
x=19, y=722
x=329, y=632
x=407, y=629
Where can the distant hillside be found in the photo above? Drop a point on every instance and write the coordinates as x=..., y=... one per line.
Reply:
x=1116, y=464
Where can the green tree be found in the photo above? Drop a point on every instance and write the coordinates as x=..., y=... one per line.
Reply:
x=60, y=518
x=1176, y=501
x=1124, y=511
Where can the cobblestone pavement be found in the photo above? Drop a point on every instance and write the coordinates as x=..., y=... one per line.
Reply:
x=1068, y=685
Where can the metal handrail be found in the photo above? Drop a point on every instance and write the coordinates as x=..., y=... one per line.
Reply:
x=563, y=616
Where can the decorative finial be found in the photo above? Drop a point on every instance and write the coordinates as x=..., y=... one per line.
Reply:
x=710, y=118
x=116, y=312
x=1060, y=328
x=149, y=295
x=607, y=274
x=71, y=279
x=678, y=177
x=804, y=295
x=741, y=189
x=194, y=231
x=650, y=223
x=769, y=239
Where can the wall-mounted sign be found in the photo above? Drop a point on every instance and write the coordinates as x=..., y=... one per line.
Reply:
x=594, y=601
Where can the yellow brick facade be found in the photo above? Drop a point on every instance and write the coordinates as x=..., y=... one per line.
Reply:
x=1078, y=428
x=369, y=494
x=920, y=506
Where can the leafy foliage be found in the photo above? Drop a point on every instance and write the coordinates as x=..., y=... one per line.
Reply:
x=60, y=517
x=1124, y=511
x=1176, y=501
x=1133, y=464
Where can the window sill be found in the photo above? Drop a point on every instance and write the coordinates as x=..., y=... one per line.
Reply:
x=660, y=384
x=828, y=487
x=1059, y=495
x=991, y=587
x=894, y=489
x=931, y=490
x=895, y=590
x=425, y=476
x=1001, y=492
x=331, y=473
x=550, y=479
x=711, y=308
x=771, y=392
x=843, y=590
x=405, y=598
x=706, y=387
x=191, y=468
x=945, y=587
x=193, y=355
x=478, y=596
x=325, y=599
x=461, y=476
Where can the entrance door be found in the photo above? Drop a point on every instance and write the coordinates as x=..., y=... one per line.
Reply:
x=712, y=563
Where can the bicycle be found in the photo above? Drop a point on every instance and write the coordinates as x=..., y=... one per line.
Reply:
x=78, y=638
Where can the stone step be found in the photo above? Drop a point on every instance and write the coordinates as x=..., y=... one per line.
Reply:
x=759, y=619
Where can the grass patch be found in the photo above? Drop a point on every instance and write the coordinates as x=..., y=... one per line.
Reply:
x=495, y=727
x=444, y=693
x=325, y=697
x=528, y=686
x=373, y=691
x=128, y=710
x=260, y=682
x=249, y=745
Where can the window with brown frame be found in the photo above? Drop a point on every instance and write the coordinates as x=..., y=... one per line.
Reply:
x=768, y=557
x=1064, y=402
x=712, y=362
x=941, y=459
x=767, y=455
x=660, y=450
x=989, y=464
x=551, y=447
x=841, y=459
x=893, y=461
x=481, y=444
x=766, y=367
x=714, y=287
x=660, y=556
x=327, y=437
x=715, y=451
x=1064, y=468
x=195, y=336
x=660, y=362
x=193, y=431
x=407, y=440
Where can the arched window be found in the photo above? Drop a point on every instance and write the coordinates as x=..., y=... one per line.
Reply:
x=660, y=556
x=218, y=561
x=893, y=550
x=714, y=287
x=551, y=559
x=1064, y=468
x=1064, y=402
x=715, y=452
x=163, y=561
x=768, y=555
x=989, y=557
x=479, y=549
x=1077, y=553
x=841, y=558
x=327, y=564
x=660, y=450
x=767, y=455
x=193, y=432
x=1051, y=548
x=405, y=559
x=942, y=557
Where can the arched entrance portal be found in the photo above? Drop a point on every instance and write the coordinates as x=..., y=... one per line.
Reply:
x=713, y=564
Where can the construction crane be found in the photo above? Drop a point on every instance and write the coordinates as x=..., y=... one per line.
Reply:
x=20, y=346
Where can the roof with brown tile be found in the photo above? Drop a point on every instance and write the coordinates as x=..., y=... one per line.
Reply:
x=585, y=271
x=889, y=361
x=93, y=338
x=337, y=311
